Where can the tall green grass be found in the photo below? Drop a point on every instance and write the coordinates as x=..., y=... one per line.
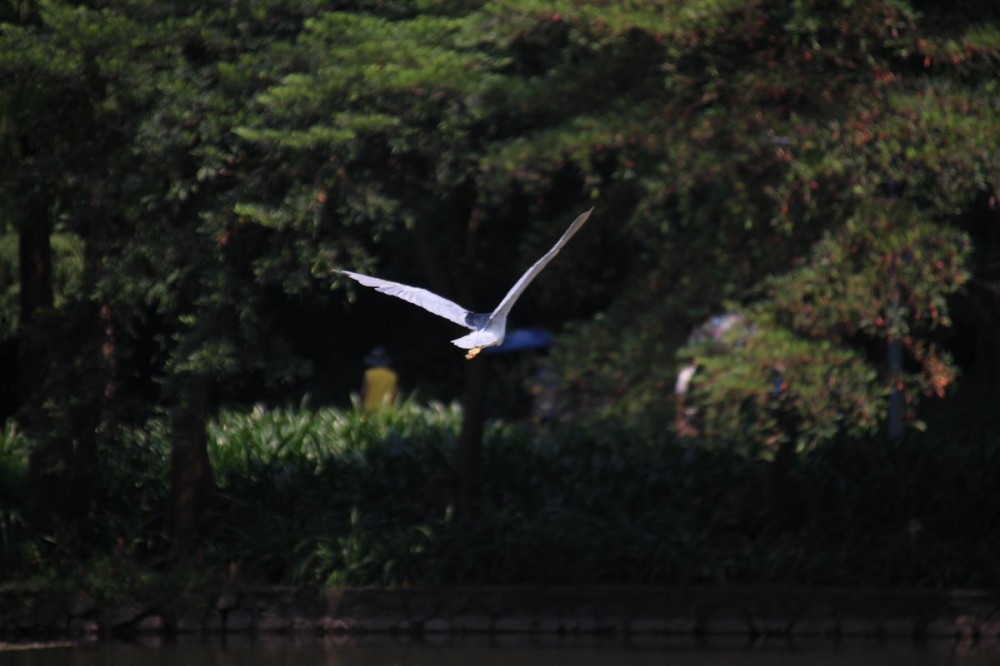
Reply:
x=311, y=495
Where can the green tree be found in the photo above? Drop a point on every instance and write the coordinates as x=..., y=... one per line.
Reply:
x=144, y=99
x=827, y=168
x=415, y=143
x=188, y=258
x=781, y=131
x=66, y=115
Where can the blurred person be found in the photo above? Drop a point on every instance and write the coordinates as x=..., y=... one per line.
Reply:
x=713, y=337
x=684, y=415
x=381, y=384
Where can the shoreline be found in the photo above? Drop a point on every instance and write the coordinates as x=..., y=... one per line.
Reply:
x=429, y=615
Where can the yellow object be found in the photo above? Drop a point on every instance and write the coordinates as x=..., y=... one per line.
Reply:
x=379, y=388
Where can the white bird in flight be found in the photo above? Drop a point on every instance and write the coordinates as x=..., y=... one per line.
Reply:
x=488, y=328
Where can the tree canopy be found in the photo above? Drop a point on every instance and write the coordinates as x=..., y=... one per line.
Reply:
x=182, y=182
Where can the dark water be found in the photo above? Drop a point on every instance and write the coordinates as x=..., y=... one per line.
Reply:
x=317, y=653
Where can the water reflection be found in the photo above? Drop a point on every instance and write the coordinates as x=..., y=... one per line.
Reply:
x=513, y=651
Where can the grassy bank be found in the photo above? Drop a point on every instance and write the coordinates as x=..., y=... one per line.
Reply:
x=325, y=496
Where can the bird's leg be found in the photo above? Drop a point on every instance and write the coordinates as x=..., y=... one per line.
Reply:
x=473, y=352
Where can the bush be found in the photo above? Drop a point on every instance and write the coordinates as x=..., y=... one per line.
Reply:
x=369, y=502
x=327, y=496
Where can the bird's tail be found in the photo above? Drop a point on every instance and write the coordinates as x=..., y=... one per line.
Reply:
x=476, y=339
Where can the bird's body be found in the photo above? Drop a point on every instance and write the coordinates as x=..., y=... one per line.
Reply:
x=488, y=328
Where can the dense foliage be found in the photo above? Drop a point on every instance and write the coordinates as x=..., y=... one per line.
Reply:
x=180, y=183
x=326, y=496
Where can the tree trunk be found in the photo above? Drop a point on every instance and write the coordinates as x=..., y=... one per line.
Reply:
x=106, y=330
x=48, y=494
x=469, y=456
x=785, y=506
x=460, y=217
x=60, y=467
x=192, y=486
x=35, y=273
x=35, y=262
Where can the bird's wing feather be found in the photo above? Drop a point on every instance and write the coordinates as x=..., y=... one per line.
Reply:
x=425, y=299
x=515, y=292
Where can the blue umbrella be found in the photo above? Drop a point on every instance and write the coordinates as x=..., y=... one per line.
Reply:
x=523, y=338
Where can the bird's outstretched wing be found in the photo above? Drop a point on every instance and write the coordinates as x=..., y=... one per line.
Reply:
x=508, y=301
x=427, y=300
